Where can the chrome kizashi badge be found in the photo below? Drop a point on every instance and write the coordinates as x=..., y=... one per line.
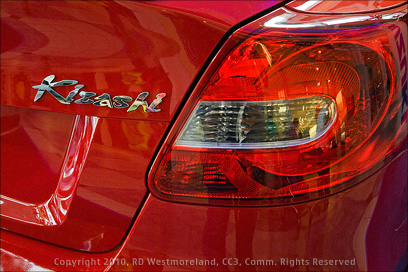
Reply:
x=119, y=101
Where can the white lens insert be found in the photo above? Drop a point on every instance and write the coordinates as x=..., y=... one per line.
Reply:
x=258, y=124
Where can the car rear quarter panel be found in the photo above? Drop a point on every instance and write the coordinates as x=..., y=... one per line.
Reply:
x=88, y=178
x=125, y=48
x=348, y=226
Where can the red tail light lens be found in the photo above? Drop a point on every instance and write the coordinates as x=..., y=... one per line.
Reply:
x=289, y=113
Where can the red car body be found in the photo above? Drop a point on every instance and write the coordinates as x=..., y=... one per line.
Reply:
x=75, y=179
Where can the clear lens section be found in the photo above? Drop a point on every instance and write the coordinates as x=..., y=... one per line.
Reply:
x=258, y=124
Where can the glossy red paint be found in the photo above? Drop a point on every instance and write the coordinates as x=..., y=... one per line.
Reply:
x=119, y=48
x=49, y=207
x=91, y=181
x=333, y=227
x=339, y=7
x=106, y=217
x=109, y=190
x=92, y=40
x=25, y=149
x=19, y=253
x=348, y=225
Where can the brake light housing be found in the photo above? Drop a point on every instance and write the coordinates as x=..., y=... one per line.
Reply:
x=294, y=107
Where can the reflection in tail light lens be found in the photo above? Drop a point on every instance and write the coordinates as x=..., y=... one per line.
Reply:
x=285, y=115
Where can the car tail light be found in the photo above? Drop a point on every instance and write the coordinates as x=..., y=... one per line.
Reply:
x=294, y=110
